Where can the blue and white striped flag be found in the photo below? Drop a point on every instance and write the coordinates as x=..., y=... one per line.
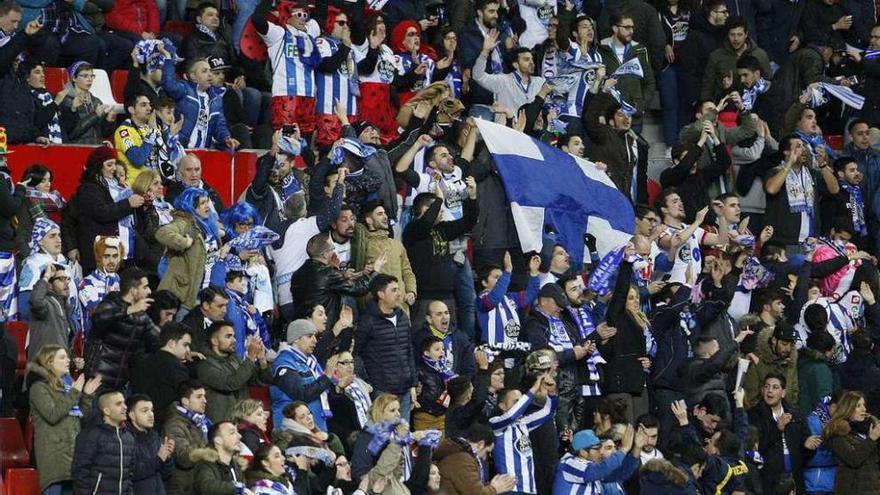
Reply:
x=600, y=279
x=624, y=106
x=632, y=67
x=546, y=186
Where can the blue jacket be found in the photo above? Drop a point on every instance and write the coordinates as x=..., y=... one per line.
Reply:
x=819, y=470
x=185, y=95
x=31, y=9
x=239, y=317
x=292, y=381
x=572, y=472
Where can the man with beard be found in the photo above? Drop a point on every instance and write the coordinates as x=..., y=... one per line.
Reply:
x=472, y=39
x=849, y=202
x=275, y=183
x=863, y=152
x=784, y=436
x=618, y=49
x=685, y=240
x=777, y=355
x=793, y=189
x=104, y=280
x=216, y=470
x=154, y=461
x=342, y=231
x=511, y=90
x=718, y=78
x=459, y=349
x=372, y=239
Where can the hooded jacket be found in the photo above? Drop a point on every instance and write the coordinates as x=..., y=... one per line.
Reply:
x=661, y=477
x=460, y=470
x=55, y=430
x=212, y=477
x=769, y=362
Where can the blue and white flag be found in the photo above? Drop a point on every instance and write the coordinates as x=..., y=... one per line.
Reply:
x=376, y=4
x=631, y=68
x=546, y=186
x=600, y=279
x=624, y=106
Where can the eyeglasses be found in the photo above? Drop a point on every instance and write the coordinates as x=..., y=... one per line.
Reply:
x=722, y=12
x=343, y=23
x=628, y=26
x=301, y=14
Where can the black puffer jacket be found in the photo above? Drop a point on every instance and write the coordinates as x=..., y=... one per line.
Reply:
x=9, y=205
x=116, y=337
x=104, y=461
x=99, y=215
x=200, y=45
x=431, y=396
x=317, y=283
x=386, y=350
x=150, y=472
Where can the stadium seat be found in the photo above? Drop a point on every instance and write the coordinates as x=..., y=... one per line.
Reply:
x=13, y=453
x=835, y=141
x=56, y=78
x=18, y=330
x=182, y=28
x=22, y=482
x=102, y=90
x=117, y=84
x=29, y=435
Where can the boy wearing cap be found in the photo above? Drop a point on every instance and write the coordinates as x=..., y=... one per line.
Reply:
x=297, y=375
x=586, y=468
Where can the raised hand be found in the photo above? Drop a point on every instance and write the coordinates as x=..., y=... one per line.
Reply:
x=92, y=385
x=508, y=263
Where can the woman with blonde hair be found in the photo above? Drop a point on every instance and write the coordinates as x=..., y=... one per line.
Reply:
x=627, y=350
x=851, y=435
x=58, y=403
x=154, y=213
x=252, y=422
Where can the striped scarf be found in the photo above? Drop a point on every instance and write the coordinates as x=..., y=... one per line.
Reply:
x=51, y=201
x=358, y=393
x=856, y=205
x=67, y=386
x=441, y=366
x=585, y=328
x=750, y=95
x=200, y=420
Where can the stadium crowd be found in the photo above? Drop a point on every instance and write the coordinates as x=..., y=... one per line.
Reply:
x=364, y=319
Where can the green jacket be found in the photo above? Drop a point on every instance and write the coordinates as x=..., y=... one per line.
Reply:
x=186, y=264
x=55, y=430
x=187, y=437
x=212, y=477
x=637, y=92
x=226, y=380
x=815, y=379
x=722, y=63
x=769, y=362
x=367, y=246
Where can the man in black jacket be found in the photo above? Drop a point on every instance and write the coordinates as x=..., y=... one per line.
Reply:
x=9, y=206
x=121, y=330
x=104, y=455
x=189, y=174
x=153, y=462
x=427, y=239
x=318, y=281
x=550, y=324
x=16, y=105
x=459, y=349
x=783, y=434
x=208, y=39
x=383, y=344
x=160, y=374
x=706, y=33
x=213, y=303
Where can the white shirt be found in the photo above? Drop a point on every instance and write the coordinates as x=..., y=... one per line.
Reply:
x=291, y=255
x=343, y=252
x=688, y=254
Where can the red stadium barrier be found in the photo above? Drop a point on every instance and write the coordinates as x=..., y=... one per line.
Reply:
x=67, y=161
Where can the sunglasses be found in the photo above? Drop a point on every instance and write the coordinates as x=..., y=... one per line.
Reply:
x=301, y=14
x=343, y=23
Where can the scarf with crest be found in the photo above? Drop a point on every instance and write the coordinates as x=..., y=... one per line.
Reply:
x=67, y=386
x=197, y=419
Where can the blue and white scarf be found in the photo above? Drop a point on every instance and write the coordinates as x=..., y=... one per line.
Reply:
x=624, y=106
x=385, y=432
x=126, y=224
x=856, y=205
x=8, y=292
x=799, y=187
x=632, y=67
x=206, y=30
x=441, y=366
x=843, y=93
x=750, y=95
x=318, y=453
x=42, y=227
x=585, y=328
x=200, y=420
x=358, y=393
x=600, y=279
x=359, y=149
x=67, y=386
x=558, y=338
x=45, y=99
x=255, y=238
x=315, y=367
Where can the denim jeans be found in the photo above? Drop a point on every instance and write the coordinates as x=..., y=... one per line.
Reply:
x=675, y=109
x=465, y=295
x=172, y=10
x=62, y=488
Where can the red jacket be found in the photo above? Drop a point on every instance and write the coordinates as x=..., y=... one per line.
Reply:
x=134, y=16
